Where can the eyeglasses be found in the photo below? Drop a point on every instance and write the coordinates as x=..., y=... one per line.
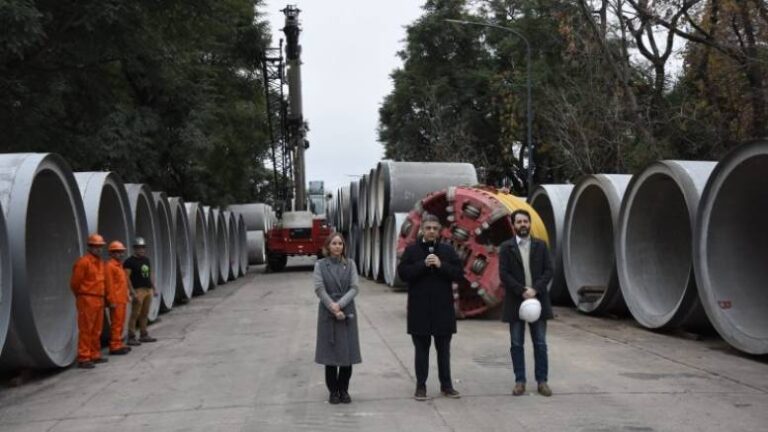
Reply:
x=431, y=228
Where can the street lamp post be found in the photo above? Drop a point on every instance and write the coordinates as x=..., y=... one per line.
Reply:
x=529, y=109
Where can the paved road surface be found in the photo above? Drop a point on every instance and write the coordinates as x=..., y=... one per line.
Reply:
x=241, y=359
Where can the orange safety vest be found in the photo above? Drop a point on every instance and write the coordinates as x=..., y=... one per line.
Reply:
x=89, y=276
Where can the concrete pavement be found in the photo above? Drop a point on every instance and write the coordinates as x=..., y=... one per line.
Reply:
x=241, y=359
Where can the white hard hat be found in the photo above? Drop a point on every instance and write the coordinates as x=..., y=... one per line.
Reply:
x=139, y=242
x=530, y=310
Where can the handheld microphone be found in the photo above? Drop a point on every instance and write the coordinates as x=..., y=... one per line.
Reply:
x=431, y=249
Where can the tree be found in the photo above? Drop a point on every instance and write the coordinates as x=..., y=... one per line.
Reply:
x=163, y=93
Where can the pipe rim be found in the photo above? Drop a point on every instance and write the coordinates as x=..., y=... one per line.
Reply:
x=23, y=313
x=184, y=249
x=606, y=189
x=729, y=321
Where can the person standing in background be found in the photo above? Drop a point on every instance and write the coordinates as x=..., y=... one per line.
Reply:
x=337, y=343
x=139, y=271
x=89, y=283
x=525, y=270
x=117, y=298
x=430, y=268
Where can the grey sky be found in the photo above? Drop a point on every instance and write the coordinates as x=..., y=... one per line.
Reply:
x=348, y=50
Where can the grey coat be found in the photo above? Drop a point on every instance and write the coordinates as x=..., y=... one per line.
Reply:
x=337, y=341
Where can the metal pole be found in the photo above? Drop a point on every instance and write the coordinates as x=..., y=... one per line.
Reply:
x=529, y=106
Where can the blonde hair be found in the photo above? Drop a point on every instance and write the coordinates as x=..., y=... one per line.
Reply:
x=327, y=244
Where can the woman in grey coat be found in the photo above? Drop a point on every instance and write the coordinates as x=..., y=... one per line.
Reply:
x=338, y=345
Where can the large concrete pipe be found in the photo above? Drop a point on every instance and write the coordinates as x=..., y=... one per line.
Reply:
x=146, y=225
x=365, y=268
x=108, y=213
x=356, y=236
x=46, y=229
x=654, y=244
x=354, y=197
x=6, y=281
x=258, y=216
x=376, y=246
x=256, y=249
x=399, y=185
x=550, y=201
x=184, y=253
x=213, y=247
x=591, y=222
x=198, y=230
x=373, y=193
x=106, y=205
x=390, y=259
x=233, y=246
x=222, y=245
x=362, y=202
x=351, y=240
x=166, y=285
x=345, y=211
x=242, y=239
x=730, y=244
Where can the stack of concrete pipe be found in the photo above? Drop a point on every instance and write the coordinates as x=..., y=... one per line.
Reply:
x=48, y=212
x=361, y=209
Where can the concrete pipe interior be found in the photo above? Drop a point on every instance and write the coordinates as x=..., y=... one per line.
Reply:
x=51, y=231
x=6, y=282
x=550, y=202
x=658, y=253
x=165, y=282
x=256, y=249
x=212, y=245
x=222, y=246
x=373, y=194
x=362, y=199
x=733, y=249
x=591, y=258
x=242, y=238
x=366, y=255
x=185, y=268
x=145, y=217
x=232, y=244
x=199, y=238
x=376, y=253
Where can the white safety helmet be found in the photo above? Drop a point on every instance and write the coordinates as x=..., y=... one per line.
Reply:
x=139, y=242
x=530, y=310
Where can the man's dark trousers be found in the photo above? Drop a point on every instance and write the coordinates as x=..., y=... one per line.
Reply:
x=421, y=344
x=538, y=331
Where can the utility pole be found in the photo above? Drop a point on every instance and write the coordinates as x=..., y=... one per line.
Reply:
x=295, y=119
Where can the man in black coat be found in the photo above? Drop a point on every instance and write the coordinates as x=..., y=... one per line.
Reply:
x=525, y=269
x=430, y=268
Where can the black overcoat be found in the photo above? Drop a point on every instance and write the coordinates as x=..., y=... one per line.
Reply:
x=513, y=277
x=430, y=294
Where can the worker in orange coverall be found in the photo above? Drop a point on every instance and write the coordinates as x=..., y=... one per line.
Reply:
x=89, y=284
x=117, y=298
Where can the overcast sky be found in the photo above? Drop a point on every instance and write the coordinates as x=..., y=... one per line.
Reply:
x=348, y=51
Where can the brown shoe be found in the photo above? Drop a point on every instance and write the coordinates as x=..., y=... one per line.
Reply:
x=519, y=389
x=451, y=393
x=86, y=365
x=147, y=339
x=544, y=390
x=120, y=351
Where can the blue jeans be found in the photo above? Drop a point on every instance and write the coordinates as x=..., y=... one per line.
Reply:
x=538, y=331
